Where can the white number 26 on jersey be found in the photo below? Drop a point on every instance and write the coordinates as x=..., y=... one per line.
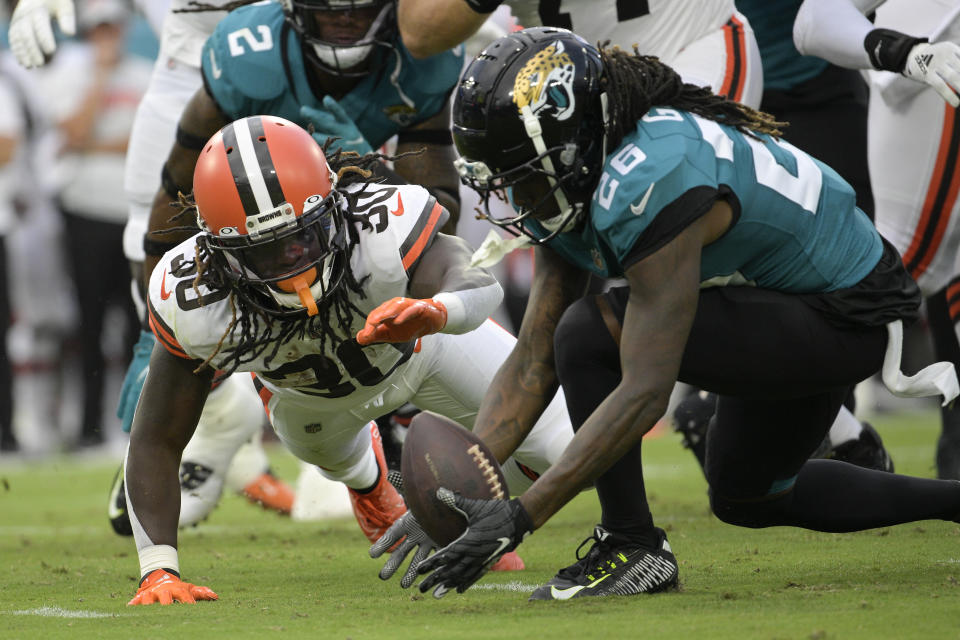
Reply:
x=802, y=188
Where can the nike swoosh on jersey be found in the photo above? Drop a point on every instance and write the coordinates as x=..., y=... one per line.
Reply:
x=217, y=71
x=399, y=210
x=569, y=592
x=164, y=294
x=503, y=545
x=640, y=206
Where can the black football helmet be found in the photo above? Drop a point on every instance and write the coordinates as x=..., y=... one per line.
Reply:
x=340, y=36
x=530, y=108
x=271, y=215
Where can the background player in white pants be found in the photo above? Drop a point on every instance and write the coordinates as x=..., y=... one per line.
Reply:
x=912, y=146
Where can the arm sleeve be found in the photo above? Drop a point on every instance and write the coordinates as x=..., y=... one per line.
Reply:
x=833, y=30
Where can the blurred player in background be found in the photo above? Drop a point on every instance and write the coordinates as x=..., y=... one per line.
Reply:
x=175, y=78
x=295, y=259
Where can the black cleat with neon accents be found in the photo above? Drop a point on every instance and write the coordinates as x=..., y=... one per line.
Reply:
x=614, y=566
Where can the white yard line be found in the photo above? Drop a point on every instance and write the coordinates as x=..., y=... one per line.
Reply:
x=515, y=585
x=57, y=612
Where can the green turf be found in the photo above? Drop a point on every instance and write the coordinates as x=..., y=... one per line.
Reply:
x=277, y=578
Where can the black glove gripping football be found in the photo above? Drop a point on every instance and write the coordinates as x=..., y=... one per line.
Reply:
x=494, y=527
x=407, y=529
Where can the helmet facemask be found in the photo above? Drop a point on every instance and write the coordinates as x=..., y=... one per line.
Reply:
x=555, y=206
x=286, y=264
x=340, y=36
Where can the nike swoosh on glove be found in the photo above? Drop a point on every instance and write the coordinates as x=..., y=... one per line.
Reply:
x=403, y=320
x=494, y=527
x=333, y=122
x=31, y=35
x=166, y=587
x=407, y=529
x=938, y=65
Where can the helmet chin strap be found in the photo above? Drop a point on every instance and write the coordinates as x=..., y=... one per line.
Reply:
x=531, y=123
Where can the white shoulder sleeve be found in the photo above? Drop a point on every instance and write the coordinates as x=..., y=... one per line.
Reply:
x=834, y=30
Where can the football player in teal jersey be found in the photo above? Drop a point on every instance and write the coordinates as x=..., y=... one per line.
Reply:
x=750, y=273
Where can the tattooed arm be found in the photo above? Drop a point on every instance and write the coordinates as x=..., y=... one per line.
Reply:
x=527, y=380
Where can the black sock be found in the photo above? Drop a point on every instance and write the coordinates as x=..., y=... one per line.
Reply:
x=838, y=497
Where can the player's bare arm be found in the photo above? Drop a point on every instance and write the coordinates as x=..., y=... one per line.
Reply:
x=432, y=169
x=173, y=397
x=200, y=120
x=428, y=27
x=527, y=381
x=664, y=288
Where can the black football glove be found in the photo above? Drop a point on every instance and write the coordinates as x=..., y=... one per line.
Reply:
x=494, y=527
x=407, y=529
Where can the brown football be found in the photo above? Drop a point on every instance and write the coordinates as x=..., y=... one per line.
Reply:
x=438, y=452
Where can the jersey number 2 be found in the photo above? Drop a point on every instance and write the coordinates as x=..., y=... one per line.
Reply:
x=264, y=43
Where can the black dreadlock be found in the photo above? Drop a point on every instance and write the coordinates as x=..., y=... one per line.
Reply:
x=634, y=83
x=253, y=328
x=198, y=7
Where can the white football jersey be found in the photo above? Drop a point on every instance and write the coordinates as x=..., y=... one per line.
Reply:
x=659, y=27
x=185, y=29
x=396, y=226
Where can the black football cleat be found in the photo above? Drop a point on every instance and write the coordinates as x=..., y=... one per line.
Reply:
x=614, y=566
x=867, y=451
x=117, y=506
x=691, y=418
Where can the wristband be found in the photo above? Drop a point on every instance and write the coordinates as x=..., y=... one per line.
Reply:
x=189, y=140
x=169, y=184
x=484, y=6
x=888, y=49
x=158, y=556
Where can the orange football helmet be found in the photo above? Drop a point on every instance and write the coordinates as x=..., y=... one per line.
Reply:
x=271, y=214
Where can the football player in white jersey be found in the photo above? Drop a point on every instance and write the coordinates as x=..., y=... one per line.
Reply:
x=341, y=298
x=913, y=147
x=708, y=42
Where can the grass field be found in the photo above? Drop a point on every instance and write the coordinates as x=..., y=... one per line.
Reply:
x=66, y=575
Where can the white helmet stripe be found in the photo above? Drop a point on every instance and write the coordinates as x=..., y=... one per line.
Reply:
x=251, y=165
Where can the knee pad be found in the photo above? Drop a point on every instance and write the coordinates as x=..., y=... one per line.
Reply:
x=754, y=513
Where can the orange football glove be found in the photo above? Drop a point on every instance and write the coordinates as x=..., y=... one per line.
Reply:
x=402, y=320
x=166, y=588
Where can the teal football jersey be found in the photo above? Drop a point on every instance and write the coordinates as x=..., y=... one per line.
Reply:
x=796, y=226
x=253, y=64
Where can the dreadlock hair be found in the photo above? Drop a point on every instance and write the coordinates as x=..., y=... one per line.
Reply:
x=254, y=329
x=634, y=83
x=199, y=7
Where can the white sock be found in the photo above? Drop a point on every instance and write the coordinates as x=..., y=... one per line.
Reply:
x=845, y=428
